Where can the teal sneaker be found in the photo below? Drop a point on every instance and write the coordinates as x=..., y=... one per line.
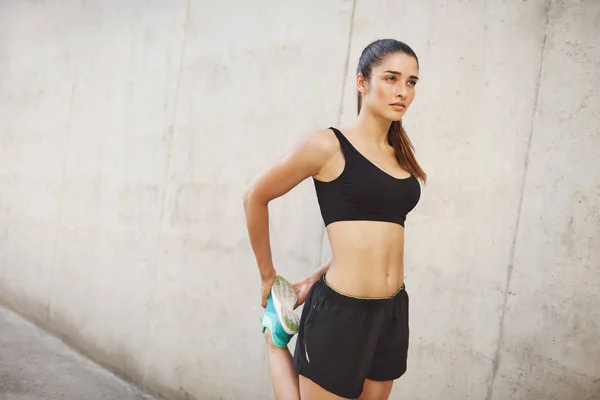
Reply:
x=279, y=317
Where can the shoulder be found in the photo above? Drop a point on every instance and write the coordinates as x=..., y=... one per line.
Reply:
x=322, y=141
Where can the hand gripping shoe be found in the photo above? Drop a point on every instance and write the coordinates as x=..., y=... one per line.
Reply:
x=279, y=317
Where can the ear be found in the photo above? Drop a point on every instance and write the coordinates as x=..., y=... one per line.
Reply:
x=361, y=84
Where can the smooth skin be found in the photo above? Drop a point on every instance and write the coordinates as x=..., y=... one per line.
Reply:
x=367, y=256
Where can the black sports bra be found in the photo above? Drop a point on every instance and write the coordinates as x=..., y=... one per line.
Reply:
x=365, y=192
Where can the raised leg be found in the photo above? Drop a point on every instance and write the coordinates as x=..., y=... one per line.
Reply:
x=283, y=376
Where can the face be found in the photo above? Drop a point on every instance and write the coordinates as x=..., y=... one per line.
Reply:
x=391, y=89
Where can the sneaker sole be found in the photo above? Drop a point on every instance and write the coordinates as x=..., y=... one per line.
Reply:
x=284, y=300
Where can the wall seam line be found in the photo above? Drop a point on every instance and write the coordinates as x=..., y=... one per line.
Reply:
x=170, y=141
x=341, y=106
x=510, y=267
x=61, y=197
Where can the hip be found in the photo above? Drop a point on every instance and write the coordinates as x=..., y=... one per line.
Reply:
x=365, y=280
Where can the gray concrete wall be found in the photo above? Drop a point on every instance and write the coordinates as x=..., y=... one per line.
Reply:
x=130, y=129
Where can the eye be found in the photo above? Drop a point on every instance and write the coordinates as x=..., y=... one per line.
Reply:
x=412, y=83
x=391, y=78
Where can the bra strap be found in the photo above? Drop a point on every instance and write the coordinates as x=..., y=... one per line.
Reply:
x=347, y=147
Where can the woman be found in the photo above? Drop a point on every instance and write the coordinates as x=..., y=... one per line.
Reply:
x=353, y=333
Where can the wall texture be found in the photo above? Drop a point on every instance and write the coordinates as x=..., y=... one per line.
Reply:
x=129, y=130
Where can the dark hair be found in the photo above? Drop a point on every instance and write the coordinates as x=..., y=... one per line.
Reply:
x=372, y=56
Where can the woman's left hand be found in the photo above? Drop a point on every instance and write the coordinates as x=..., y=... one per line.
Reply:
x=302, y=287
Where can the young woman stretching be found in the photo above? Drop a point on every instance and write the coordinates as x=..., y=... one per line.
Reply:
x=353, y=333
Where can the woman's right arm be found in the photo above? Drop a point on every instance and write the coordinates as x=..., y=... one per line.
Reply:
x=306, y=159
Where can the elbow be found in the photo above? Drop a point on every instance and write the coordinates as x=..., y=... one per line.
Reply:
x=246, y=197
x=249, y=196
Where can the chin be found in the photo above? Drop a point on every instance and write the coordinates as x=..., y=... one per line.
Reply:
x=395, y=115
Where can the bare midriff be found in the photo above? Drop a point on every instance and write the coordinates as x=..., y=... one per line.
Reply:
x=368, y=258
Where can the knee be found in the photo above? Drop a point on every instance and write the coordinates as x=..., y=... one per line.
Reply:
x=269, y=340
x=270, y=345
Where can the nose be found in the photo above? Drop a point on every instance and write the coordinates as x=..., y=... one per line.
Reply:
x=401, y=92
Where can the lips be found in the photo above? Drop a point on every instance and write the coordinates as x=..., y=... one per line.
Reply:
x=398, y=105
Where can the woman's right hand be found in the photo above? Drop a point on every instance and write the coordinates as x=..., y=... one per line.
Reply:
x=265, y=288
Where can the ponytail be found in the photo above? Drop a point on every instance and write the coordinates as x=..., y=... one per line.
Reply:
x=404, y=150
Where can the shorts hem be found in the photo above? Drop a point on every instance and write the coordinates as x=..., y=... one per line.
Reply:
x=346, y=395
x=385, y=378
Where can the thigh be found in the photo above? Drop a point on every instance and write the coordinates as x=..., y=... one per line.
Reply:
x=390, y=360
x=311, y=391
x=375, y=390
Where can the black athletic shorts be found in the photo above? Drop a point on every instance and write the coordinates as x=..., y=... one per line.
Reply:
x=344, y=340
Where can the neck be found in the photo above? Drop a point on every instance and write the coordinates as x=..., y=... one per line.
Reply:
x=373, y=127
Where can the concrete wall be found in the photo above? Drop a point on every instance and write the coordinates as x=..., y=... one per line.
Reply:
x=128, y=131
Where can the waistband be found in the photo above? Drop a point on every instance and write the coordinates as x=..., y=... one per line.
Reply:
x=359, y=300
